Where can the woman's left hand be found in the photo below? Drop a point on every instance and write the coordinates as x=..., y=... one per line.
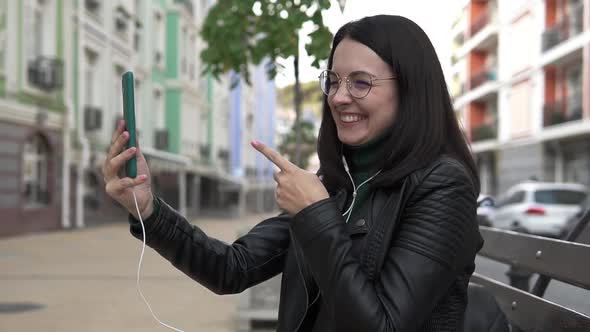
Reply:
x=296, y=188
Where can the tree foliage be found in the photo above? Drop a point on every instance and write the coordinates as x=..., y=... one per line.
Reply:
x=242, y=32
x=308, y=144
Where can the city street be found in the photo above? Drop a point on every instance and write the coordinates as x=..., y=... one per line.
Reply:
x=84, y=280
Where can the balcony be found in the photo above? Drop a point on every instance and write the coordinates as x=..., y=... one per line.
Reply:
x=482, y=77
x=45, y=73
x=563, y=110
x=479, y=23
x=484, y=132
x=563, y=30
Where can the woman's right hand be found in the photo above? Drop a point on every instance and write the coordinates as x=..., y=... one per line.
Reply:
x=121, y=189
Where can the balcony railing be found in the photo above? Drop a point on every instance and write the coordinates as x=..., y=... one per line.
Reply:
x=481, y=77
x=479, y=23
x=569, y=26
x=563, y=110
x=484, y=132
x=46, y=73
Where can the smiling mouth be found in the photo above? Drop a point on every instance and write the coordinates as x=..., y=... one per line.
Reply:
x=351, y=118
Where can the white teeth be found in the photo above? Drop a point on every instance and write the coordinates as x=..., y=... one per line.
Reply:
x=346, y=118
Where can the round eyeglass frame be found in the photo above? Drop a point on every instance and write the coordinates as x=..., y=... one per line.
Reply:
x=349, y=83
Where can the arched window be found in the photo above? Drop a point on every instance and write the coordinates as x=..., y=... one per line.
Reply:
x=36, y=157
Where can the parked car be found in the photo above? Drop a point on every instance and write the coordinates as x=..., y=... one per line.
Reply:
x=540, y=208
x=485, y=208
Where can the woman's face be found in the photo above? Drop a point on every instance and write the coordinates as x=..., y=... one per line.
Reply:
x=360, y=120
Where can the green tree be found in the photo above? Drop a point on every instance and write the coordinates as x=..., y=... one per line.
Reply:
x=242, y=32
x=307, y=145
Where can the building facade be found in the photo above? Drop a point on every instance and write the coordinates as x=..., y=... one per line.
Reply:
x=32, y=111
x=519, y=73
x=60, y=99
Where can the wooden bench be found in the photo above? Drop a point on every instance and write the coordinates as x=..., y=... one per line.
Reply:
x=566, y=261
x=563, y=260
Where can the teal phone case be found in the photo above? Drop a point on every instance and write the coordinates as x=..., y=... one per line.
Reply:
x=129, y=116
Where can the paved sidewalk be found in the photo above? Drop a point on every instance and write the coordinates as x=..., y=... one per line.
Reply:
x=85, y=280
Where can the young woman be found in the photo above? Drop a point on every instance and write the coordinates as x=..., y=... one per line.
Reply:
x=384, y=239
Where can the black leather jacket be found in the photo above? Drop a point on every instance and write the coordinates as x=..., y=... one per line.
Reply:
x=421, y=284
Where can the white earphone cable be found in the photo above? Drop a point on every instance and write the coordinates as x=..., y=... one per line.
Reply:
x=354, y=187
x=139, y=268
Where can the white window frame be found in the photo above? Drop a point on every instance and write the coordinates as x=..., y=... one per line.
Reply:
x=47, y=37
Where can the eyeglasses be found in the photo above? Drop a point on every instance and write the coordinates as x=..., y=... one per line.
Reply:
x=358, y=83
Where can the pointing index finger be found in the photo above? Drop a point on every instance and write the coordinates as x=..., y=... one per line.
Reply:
x=273, y=156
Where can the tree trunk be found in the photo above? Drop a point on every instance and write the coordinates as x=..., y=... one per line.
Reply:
x=297, y=102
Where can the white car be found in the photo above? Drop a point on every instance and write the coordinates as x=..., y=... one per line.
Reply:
x=540, y=208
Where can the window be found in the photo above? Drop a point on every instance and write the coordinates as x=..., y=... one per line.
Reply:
x=517, y=197
x=35, y=171
x=567, y=197
x=159, y=110
x=93, y=7
x=158, y=34
x=35, y=20
x=138, y=27
x=122, y=22
x=184, y=46
x=89, y=86
x=91, y=58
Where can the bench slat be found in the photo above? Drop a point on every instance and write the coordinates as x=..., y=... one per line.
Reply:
x=562, y=260
x=532, y=313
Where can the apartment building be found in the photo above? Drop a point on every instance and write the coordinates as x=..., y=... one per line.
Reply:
x=32, y=112
x=60, y=98
x=519, y=73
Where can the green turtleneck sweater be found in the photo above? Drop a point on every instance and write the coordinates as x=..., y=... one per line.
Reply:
x=363, y=161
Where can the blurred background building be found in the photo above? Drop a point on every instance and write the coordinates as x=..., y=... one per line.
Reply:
x=520, y=82
x=60, y=98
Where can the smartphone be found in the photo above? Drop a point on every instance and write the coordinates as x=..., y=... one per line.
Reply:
x=129, y=116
